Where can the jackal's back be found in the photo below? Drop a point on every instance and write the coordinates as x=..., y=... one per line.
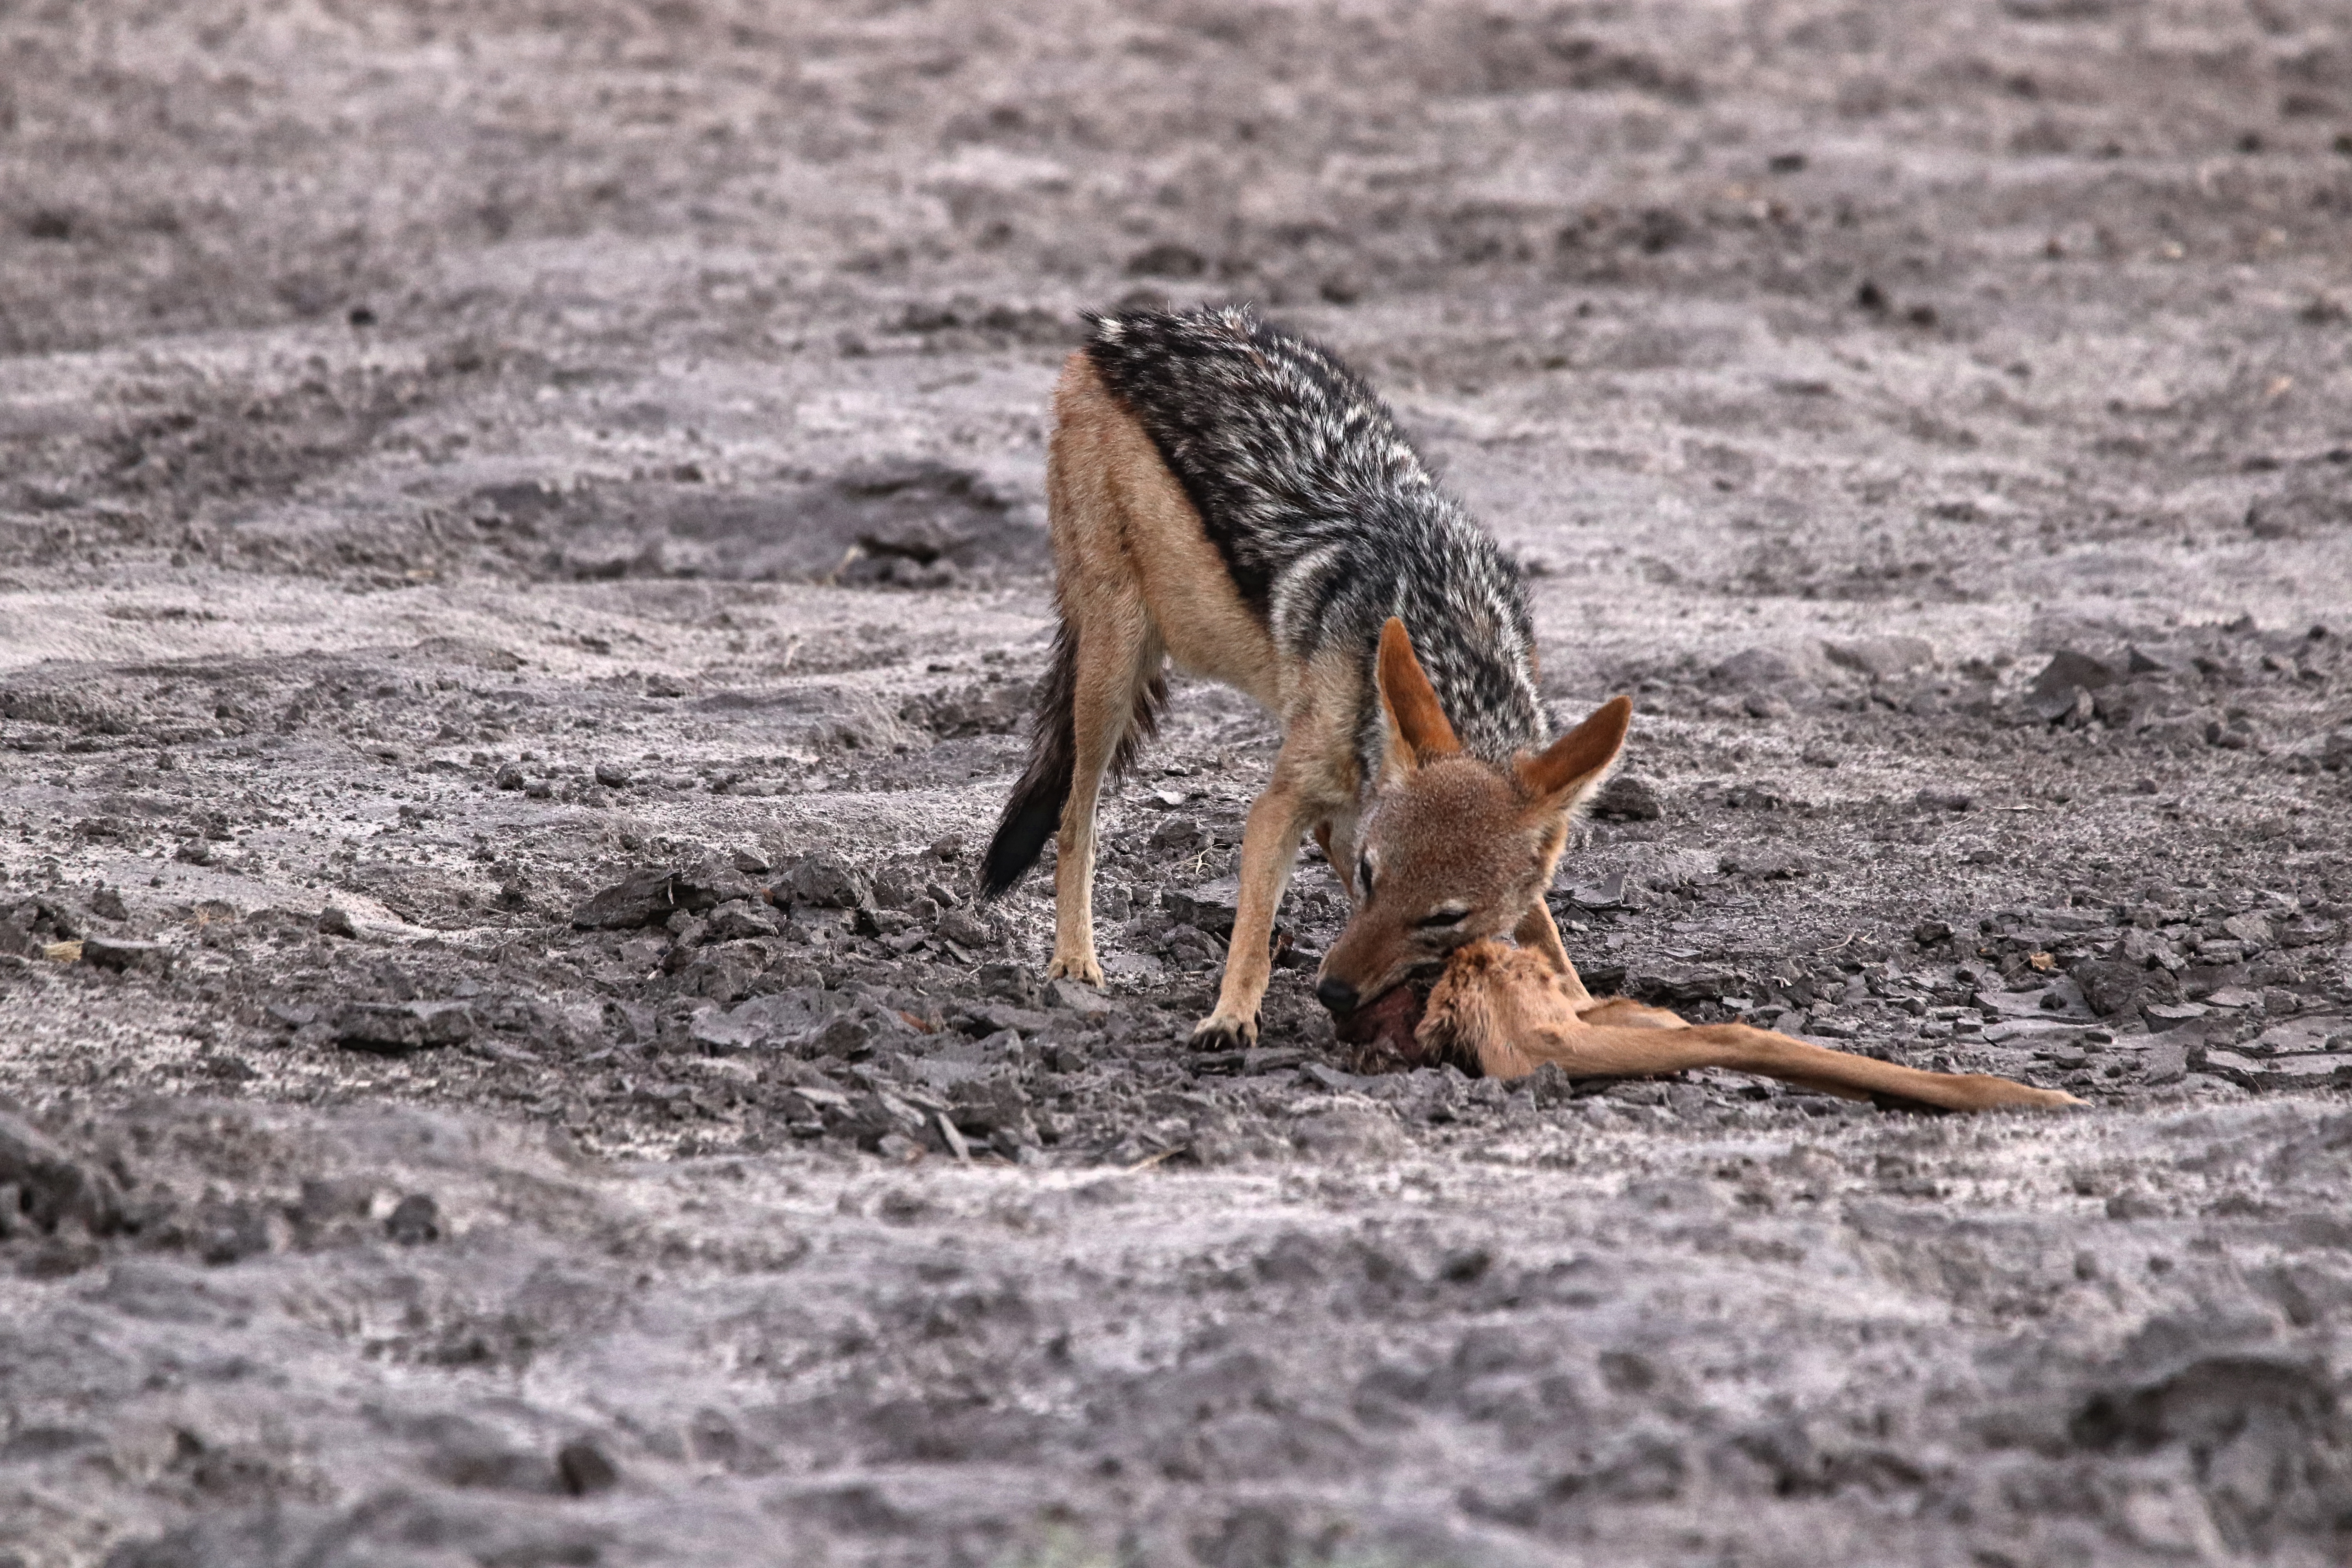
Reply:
x=1328, y=520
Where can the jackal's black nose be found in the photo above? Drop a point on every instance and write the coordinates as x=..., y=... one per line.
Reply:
x=1335, y=994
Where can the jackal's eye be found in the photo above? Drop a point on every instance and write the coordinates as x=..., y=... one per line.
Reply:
x=1438, y=920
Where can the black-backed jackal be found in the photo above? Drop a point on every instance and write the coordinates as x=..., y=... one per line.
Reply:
x=1227, y=495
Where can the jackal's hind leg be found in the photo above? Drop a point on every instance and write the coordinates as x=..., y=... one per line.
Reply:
x=1118, y=653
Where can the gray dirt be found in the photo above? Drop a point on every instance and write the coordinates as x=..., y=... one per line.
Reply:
x=521, y=571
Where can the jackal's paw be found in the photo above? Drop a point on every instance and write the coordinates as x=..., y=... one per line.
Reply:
x=1225, y=1032
x=1080, y=967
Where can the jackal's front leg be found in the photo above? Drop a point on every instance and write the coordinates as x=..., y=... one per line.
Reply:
x=1269, y=848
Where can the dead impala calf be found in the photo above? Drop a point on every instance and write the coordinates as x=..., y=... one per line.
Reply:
x=1504, y=1012
x=1224, y=494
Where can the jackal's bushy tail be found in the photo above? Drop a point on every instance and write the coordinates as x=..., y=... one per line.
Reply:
x=1035, y=812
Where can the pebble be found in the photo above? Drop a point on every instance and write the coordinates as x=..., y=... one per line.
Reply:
x=966, y=929
x=828, y=881
x=2065, y=683
x=2165, y=1061
x=1755, y=666
x=114, y=953
x=414, y=1221
x=51, y=1185
x=1628, y=797
x=1882, y=658
x=1084, y=1000
x=651, y=895
x=2311, y=1070
x=1210, y=908
x=396, y=1027
x=741, y=919
x=584, y=1470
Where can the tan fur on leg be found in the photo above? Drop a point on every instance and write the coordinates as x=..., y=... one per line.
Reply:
x=1307, y=778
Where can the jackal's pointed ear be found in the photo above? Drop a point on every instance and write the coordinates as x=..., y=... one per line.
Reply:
x=1564, y=773
x=1418, y=729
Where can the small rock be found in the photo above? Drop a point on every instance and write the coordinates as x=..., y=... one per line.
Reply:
x=2233, y=998
x=1210, y=908
x=2111, y=985
x=1349, y=1131
x=967, y=930
x=1608, y=893
x=1754, y=668
x=1882, y=658
x=414, y=1220
x=2136, y=662
x=988, y=1018
x=509, y=776
x=2165, y=1061
x=985, y=1106
x=51, y=1184
x=948, y=850
x=2064, y=682
x=2252, y=929
x=1766, y=705
x=827, y=880
x=1673, y=984
x=1766, y=863
x=393, y=1028
x=581, y=1464
x=873, y=1118
x=740, y=919
x=1168, y=258
x=112, y=952
x=1179, y=833
x=229, y=1233
x=650, y=896
x=1628, y=796
x=613, y=775
x=336, y=921
x=1083, y=1000
x=2316, y=1070
x=1944, y=800
x=2162, y=1016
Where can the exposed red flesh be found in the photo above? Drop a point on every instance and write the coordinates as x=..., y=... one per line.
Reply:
x=1381, y=1033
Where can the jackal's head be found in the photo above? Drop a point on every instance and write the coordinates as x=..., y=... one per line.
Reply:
x=1453, y=849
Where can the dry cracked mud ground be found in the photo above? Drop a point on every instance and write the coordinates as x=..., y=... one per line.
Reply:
x=520, y=567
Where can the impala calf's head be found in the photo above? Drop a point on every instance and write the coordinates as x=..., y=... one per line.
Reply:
x=1452, y=848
